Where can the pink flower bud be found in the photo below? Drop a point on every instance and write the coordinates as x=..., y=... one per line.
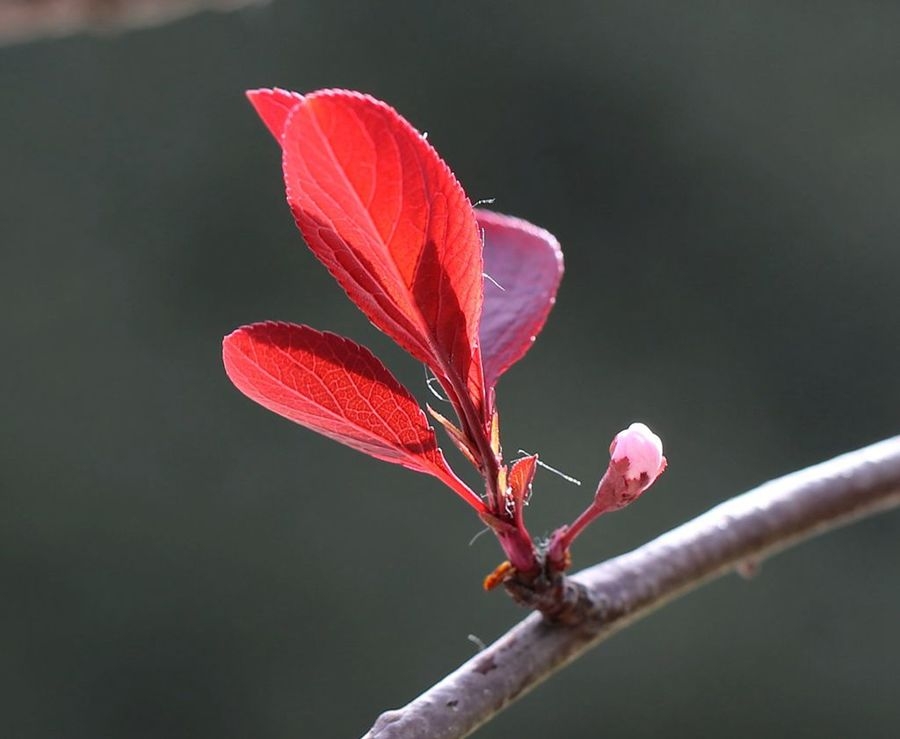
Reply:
x=641, y=449
x=636, y=460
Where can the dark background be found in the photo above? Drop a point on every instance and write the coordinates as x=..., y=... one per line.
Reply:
x=177, y=562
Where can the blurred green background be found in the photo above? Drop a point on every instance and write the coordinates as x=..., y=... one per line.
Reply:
x=177, y=562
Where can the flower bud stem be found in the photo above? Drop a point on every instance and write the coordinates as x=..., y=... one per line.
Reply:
x=615, y=490
x=562, y=538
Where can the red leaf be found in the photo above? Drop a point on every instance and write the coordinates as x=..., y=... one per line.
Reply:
x=338, y=388
x=523, y=265
x=520, y=478
x=273, y=106
x=386, y=216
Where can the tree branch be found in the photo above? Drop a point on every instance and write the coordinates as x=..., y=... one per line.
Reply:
x=735, y=535
x=26, y=20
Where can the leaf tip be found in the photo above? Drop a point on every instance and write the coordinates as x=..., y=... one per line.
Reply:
x=273, y=105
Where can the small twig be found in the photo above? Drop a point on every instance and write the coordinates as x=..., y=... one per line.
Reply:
x=741, y=531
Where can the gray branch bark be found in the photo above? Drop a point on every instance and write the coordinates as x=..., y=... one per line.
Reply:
x=26, y=20
x=735, y=535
